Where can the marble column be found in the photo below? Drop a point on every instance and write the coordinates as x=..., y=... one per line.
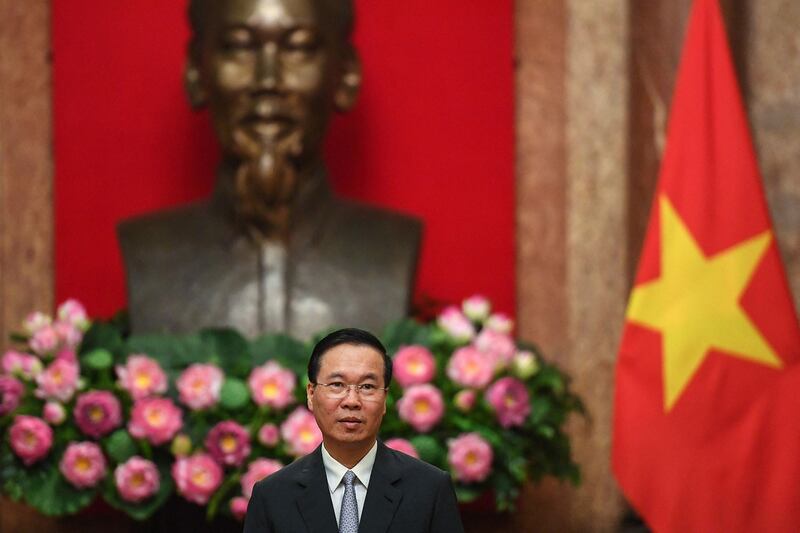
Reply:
x=26, y=185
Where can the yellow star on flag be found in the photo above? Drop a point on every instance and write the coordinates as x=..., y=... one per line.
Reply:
x=695, y=303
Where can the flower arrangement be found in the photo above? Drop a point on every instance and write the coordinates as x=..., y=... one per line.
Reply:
x=87, y=410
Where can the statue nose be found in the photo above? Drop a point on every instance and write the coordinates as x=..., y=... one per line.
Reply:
x=268, y=68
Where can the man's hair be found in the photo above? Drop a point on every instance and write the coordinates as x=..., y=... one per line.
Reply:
x=340, y=11
x=353, y=336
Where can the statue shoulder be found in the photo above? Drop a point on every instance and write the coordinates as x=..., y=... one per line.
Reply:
x=369, y=225
x=170, y=227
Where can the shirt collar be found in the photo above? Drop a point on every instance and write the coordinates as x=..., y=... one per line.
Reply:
x=335, y=471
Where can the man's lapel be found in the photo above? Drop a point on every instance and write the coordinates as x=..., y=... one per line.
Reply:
x=315, y=502
x=383, y=495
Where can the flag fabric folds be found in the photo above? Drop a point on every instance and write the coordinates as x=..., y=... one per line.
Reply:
x=707, y=402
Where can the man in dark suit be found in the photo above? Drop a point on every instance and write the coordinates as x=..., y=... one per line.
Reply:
x=352, y=482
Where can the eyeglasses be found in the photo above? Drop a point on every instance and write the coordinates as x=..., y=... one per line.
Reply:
x=338, y=390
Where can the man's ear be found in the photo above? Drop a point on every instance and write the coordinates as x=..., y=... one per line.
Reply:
x=194, y=86
x=350, y=82
x=310, y=396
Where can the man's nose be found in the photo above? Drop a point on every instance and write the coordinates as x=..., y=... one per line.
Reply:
x=268, y=68
x=352, y=398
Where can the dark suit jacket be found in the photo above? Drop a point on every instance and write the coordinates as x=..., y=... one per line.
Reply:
x=405, y=495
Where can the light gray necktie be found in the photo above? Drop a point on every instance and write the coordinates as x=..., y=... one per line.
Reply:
x=348, y=517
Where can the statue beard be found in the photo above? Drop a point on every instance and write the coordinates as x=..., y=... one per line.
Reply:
x=265, y=184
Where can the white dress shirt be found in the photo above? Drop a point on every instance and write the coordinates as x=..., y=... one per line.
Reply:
x=335, y=471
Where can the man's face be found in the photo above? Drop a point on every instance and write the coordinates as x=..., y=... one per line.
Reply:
x=270, y=69
x=352, y=419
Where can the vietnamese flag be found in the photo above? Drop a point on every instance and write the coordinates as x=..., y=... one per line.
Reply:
x=707, y=407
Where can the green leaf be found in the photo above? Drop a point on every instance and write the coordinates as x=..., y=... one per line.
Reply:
x=429, y=449
x=230, y=350
x=287, y=351
x=48, y=492
x=234, y=394
x=403, y=333
x=171, y=352
x=144, y=509
x=120, y=446
x=467, y=494
x=98, y=359
x=102, y=335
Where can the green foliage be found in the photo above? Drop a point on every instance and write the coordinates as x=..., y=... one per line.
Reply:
x=403, y=333
x=289, y=352
x=429, y=449
x=47, y=491
x=120, y=446
x=98, y=359
x=234, y=394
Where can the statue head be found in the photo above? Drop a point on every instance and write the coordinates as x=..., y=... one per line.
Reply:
x=271, y=72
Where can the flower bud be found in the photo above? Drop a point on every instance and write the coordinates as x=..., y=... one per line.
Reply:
x=524, y=365
x=181, y=445
x=465, y=400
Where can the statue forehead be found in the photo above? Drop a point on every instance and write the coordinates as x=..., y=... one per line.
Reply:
x=323, y=12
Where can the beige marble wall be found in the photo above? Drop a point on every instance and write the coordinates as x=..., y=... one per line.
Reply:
x=26, y=199
x=772, y=61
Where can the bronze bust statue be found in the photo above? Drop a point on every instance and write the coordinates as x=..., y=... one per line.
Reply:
x=273, y=249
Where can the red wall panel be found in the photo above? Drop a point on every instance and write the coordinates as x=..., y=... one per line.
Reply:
x=431, y=135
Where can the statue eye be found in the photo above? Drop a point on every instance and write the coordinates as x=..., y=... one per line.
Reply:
x=237, y=39
x=301, y=40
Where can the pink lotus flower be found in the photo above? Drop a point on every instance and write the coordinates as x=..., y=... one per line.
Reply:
x=258, y=470
x=476, y=308
x=228, y=443
x=465, y=400
x=421, y=406
x=301, y=433
x=155, y=419
x=498, y=346
x=510, y=400
x=83, y=464
x=45, y=340
x=72, y=312
x=413, y=365
x=69, y=336
x=456, y=325
x=500, y=323
x=67, y=354
x=54, y=413
x=268, y=435
x=21, y=364
x=272, y=385
x=137, y=479
x=36, y=321
x=58, y=381
x=97, y=413
x=469, y=367
x=30, y=438
x=470, y=456
x=197, y=477
x=10, y=393
x=199, y=386
x=239, y=507
x=141, y=376
x=402, y=445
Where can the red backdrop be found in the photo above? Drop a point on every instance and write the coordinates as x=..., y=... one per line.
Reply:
x=432, y=135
